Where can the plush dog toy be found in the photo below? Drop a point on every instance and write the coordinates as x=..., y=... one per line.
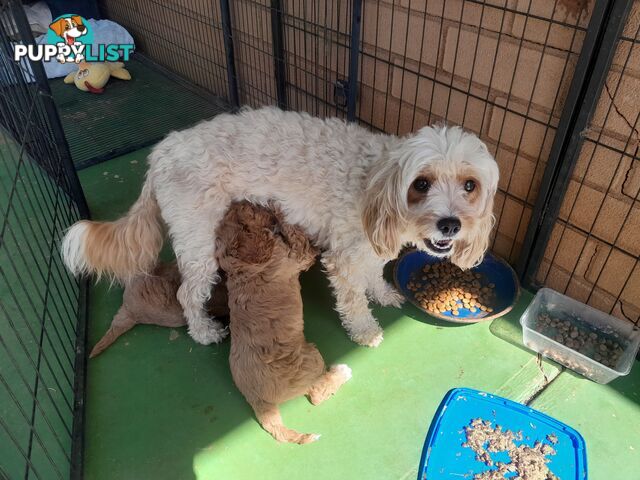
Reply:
x=270, y=360
x=93, y=76
x=151, y=299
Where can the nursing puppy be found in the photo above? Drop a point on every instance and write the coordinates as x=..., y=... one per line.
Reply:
x=150, y=299
x=270, y=360
x=360, y=196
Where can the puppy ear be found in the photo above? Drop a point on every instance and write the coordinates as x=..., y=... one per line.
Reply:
x=254, y=248
x=384, y=212
x=58, y=26
x=469, y=252
x=299, y=244
x=77, y=19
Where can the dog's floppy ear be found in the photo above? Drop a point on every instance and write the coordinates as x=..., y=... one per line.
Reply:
x=469, y=252
x=58, y=26
x=384, y=210
x=77, y=19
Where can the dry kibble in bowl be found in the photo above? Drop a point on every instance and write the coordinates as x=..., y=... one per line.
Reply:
x=603, y=347
x=443, y=287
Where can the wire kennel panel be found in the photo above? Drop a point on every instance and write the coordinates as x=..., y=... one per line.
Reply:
x=499, y=68
x=252, y=34
x=41, y=305
x=184, y=36
x=292, y=53
x=503, y=69
x=317, y=51
x=594, y=245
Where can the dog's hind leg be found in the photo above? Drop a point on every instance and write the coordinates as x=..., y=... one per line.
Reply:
x=193, y=235
x=329, y=383
x=269, y=417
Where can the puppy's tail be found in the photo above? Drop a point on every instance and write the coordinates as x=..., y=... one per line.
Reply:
x=122, y=322
x=269, y=417
x=119, y=249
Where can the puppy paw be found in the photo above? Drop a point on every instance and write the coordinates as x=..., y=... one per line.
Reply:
x=307, y=438
x=370, y=337
x=208, y=332
x=342, y=372
x=390, y=297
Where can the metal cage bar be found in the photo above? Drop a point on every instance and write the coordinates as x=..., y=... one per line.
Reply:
x=42, y=308
x=607, y=22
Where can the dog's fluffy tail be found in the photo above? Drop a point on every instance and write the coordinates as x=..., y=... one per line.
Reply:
x=119, y=249
x=269, y=417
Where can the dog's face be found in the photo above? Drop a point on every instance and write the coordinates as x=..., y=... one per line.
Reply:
x=435, y=191
x=69, y=27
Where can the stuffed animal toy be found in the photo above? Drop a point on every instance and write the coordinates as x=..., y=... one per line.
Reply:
x=93, y=76
x=151, y=300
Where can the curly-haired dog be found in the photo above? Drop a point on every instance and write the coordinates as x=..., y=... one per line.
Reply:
x=270, y=360
x=360, y=196
x=151, y=300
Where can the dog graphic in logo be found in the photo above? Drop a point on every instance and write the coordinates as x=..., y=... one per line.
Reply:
x=70, y=29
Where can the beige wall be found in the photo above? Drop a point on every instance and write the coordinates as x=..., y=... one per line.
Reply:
x=501, y=69
x=183, y=35
x=595, y=245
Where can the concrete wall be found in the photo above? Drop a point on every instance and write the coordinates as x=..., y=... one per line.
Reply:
x=593, y=253
x=501, y=68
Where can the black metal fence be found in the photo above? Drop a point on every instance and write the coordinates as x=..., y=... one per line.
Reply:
x=548, y=85
x=586, y=243
x=524, y=76
x=41, y=305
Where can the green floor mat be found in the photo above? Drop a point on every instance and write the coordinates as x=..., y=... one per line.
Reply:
x=161, y=407
x=37, y=321
x=129, y=114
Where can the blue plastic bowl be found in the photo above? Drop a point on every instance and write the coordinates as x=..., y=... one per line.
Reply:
x=444, y=458
x=493, y=269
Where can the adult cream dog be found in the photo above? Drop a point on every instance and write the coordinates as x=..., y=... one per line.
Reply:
x=360, y=196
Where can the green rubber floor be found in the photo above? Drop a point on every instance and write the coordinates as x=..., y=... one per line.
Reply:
x=129, y=114
x=161, y=407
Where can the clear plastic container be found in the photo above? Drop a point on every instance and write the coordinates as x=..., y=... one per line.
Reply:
x=539, y=336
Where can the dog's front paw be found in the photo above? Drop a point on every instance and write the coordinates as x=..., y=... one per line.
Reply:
x=389, y=297
x=207, y=332
x=368, y=337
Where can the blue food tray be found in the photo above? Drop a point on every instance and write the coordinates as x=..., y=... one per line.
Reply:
x=444, y=457
x=493, y=269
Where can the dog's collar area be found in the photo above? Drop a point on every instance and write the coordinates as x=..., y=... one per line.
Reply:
x=438, y=247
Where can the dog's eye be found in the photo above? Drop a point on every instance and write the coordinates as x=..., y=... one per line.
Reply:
x=421, y=185
x=469, y=186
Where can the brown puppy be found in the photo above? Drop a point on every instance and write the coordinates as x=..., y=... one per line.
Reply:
x=151, y=299
x=270, y=360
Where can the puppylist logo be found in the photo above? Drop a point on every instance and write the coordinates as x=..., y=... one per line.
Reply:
x=70, y=39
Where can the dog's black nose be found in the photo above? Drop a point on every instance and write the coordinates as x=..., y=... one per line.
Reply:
x=449, y=226
x=81, y=28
